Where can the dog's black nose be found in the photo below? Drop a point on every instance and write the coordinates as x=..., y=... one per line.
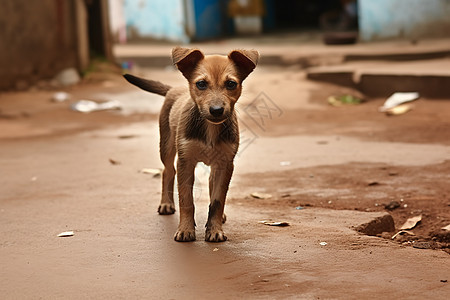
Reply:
x=216, y=111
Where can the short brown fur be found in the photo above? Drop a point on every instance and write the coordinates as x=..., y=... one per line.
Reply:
x=199, y=124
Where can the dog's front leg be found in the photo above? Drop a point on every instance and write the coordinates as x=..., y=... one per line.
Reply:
x=218, y=183
x=185, y=176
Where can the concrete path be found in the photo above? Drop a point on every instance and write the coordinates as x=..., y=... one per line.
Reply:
x=122, y=248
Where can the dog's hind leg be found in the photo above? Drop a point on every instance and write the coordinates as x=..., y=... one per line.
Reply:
x=167, y=205
x=167, y=153
x=219, y=180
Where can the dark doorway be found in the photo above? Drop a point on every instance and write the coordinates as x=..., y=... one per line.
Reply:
x=309, y=14
x=98, y=28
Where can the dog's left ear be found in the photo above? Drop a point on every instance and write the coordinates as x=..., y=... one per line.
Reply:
x=245, y=61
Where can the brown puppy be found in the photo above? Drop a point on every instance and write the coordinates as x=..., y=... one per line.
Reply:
x=199, y=124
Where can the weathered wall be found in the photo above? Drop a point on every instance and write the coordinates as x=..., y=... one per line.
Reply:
x=37, y=39
x=382, y=19
x=159, y=19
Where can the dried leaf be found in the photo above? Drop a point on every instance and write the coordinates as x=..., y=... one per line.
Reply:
x=127, y=136
x=154, y=172
x=114, y=162
x=260, y=195
x=411, y=223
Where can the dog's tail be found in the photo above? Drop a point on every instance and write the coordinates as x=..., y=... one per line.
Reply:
x=148, y=85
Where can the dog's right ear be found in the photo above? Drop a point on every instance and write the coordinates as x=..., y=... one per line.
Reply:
x=186, y=59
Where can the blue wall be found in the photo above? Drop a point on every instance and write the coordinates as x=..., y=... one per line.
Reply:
x=159, y=19
x=381, y=19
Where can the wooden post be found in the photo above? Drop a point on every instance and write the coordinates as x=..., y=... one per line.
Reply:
x=81, y=34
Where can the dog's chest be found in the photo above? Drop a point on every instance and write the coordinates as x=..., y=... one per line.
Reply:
x=208, y=153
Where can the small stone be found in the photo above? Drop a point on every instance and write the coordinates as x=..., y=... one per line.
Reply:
x=378, y=225
x=422, y=245
x=392, y=205
x=67, y=77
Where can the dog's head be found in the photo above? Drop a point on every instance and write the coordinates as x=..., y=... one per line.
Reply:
x=215, y=81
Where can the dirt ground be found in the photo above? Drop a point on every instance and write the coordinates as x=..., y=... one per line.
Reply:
x=339, y=165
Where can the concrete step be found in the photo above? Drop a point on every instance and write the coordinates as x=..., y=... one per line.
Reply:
x=431, y=78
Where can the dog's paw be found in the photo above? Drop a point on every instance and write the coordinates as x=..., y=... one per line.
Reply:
x=184, y=236
x=215, y=236
x=166, y=209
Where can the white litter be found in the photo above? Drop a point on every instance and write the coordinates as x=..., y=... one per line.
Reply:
x=323, y=243
x=66, y=234
x=446, y=228
x=87, y=106
x=271, y=223
x=60, y=97
x=397, y=99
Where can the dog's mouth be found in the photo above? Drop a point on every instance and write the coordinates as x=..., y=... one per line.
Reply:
x=216, y=121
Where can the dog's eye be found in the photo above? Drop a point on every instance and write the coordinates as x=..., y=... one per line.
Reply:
x=201, y=85
x=230, y=84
